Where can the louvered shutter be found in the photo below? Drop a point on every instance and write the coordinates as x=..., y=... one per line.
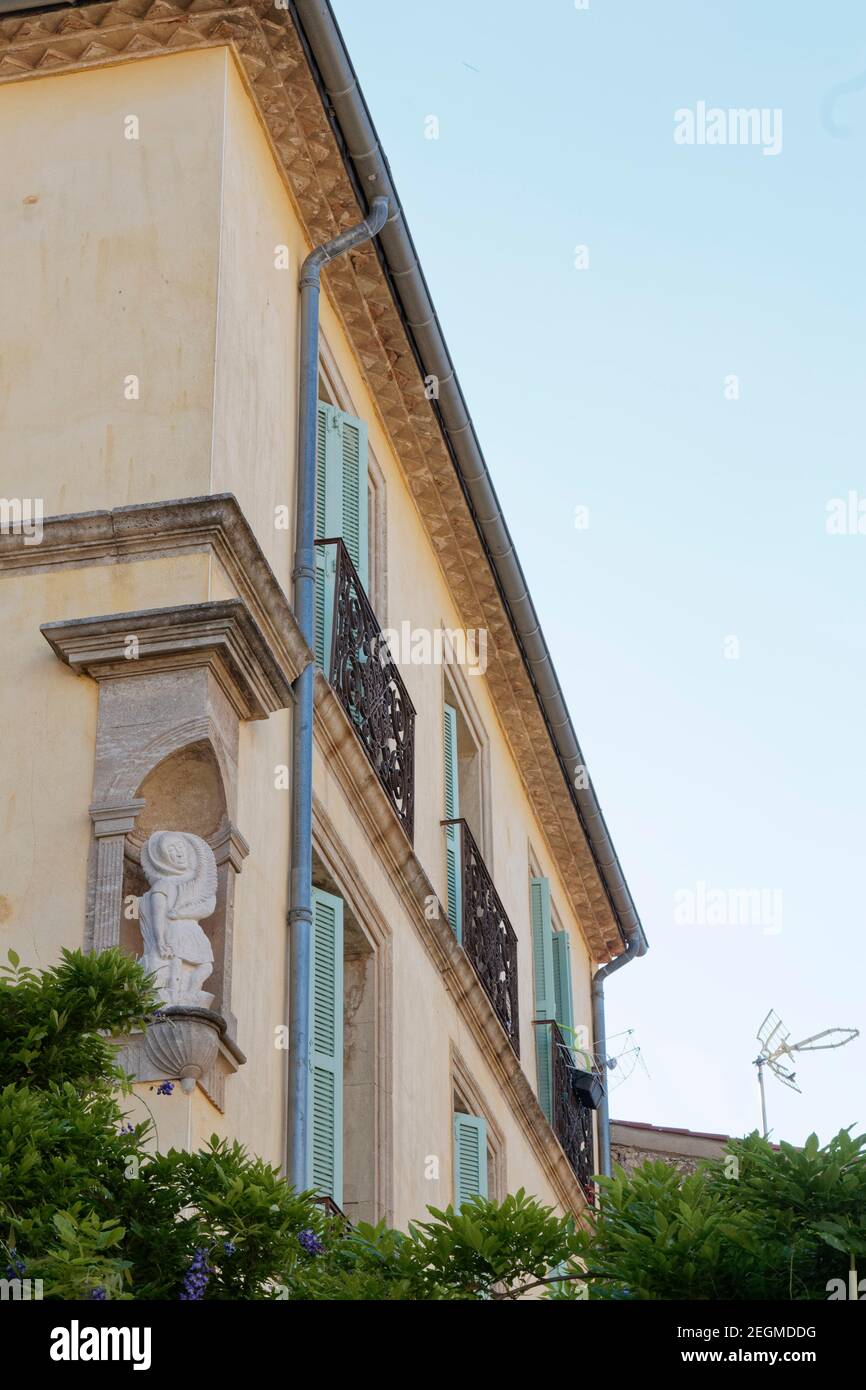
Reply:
x=326, y=1047
x=545, y=988
x=452, y=832
x=341, y=510
x=470, y=1158
x=562, y=985
x=324, y=561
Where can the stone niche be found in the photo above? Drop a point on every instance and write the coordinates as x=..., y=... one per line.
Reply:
x=174, y=685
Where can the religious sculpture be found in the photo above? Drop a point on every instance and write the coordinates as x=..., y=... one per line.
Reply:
x=182, y=873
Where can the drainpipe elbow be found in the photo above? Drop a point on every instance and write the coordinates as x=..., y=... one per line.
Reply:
x=346, y=241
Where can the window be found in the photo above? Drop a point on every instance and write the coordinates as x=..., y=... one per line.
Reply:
x=325, y=1136
x=478, y=1142
x=334, y=391
x=341, y=510
x=452, y=832
x=551, y=959
x=470, y=1158
x=466, y=762
x=357, y=994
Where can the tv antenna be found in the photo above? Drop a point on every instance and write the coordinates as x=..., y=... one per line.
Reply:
x=773, y=1037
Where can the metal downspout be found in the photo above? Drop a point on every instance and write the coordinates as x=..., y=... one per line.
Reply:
x=636, y=947
x=304, y=577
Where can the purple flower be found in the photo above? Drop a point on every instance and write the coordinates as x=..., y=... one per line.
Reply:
x=98, y=1293
x=229, y=1247
x=310, y=1242
x=165, y=1088
x=16, y=1266
x=127, y=1129
x=196, y=1278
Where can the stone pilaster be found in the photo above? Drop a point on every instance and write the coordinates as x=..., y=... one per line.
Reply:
x=111, y=823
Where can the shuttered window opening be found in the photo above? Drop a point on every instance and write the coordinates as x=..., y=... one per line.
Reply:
x=452, y=832
x=325, y=1137
x=562, y=984
x=470, y=1158
x=341, y=510
x=545, y=989
x=554, y=998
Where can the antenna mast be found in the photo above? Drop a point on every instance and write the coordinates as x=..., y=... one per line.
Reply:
x=773, y=1037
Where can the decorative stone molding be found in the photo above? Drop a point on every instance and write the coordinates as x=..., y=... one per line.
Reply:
x=278, y=76
x=174, y=684
x=145, y=1063
x=213, y=525
x=184, y=1043
x=221, y=636
x=230, y=850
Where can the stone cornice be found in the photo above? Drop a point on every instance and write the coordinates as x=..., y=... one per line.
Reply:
x=113, y=818
x=152, y=530
x=221, y=636
x=278, y=77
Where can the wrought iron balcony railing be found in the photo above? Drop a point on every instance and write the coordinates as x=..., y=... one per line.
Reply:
x=370, y=688
x=483, y=928
x=571, y=1117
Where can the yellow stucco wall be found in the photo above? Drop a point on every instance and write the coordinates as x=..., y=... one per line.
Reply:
x=49, y=714
x=114, y=243
x=157, y=257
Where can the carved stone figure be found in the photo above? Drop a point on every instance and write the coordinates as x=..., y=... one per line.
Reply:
x=182, y=874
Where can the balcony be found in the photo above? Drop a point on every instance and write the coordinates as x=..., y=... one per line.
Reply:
x=370, y=688
x=485, y=932
x=571, y=1117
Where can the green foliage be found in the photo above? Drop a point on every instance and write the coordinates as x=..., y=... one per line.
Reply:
x=52, y=1024
x=485, y=1251
x=87, y=1207
x=84, y=1204
x=489, y=1249
x=764, y=1224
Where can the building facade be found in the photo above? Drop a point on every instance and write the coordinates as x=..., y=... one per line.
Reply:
x=168, y=168
x=633, y=1144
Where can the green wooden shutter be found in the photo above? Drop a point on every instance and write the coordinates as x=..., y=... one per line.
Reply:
x=341, y=510
x=452, y=832
x=325, y=1130
x=470, y=1158
x=545, y=986
x=352, y=451
x=562, y=985
x=324, y=561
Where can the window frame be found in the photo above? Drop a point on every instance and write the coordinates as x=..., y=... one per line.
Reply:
x=333, y=390
x=468, y=1099
x=455, y=692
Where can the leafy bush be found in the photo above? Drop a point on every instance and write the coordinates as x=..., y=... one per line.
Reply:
x=765, y=1223
x=86, y=1208
x=89, y=1210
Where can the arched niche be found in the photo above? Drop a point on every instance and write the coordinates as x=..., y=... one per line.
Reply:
x=166, y=757
x=186, y=791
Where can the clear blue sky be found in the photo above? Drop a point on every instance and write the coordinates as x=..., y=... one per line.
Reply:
x=604, y=388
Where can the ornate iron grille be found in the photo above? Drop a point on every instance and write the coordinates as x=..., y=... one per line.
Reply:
x=571, y=1119
x=488, y=936
x=370, y=688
